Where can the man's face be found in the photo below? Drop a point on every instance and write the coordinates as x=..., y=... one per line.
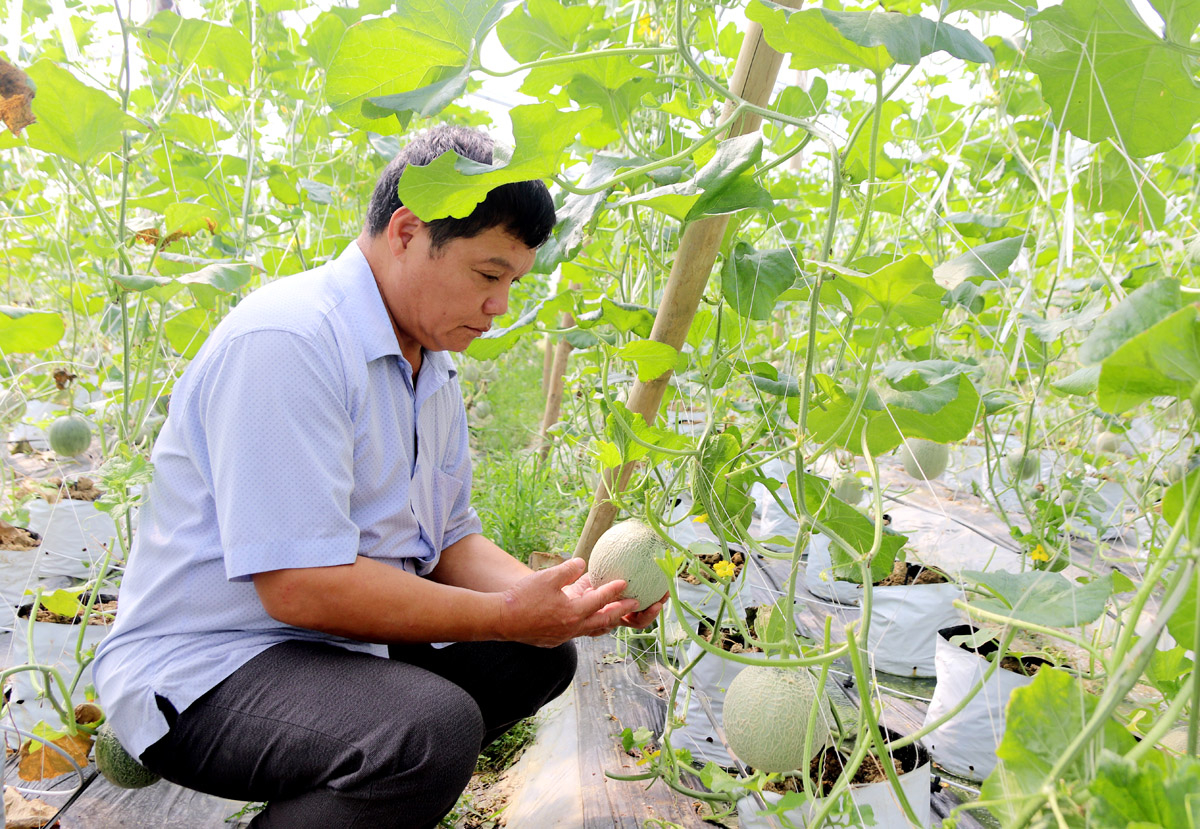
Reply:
x=451, y=295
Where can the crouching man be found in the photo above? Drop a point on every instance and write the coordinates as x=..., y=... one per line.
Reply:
x=309, y=534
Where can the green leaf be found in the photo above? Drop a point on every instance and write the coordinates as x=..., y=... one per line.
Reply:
x=1182, y=624
x=1140, y=310
x=1083, y=382
x=1162, y=360
x=926, y=372
x=187, y=331
x=188, y=218
x=990, y=259
x=540, y=26
x=1042, y=720
x=623, y=316
x=628, y=450
x=324, y=38
x=1049, y=330
x=186, y=41
x=904, y=290
x=424, y=101
x=452, y=186
x=943, y=412
x=23, y=331
x=498, y=340
x=1109, y=185
x=752, y=280
x=64, y=602
x=1125, y=794
x=1043, y=597
x=653, y=359
x=1106, y=74
x=219, y=278
x=719, y=489
x=578, y=213
x=872, y=40
x=852, y=526
x=158, y=288
x=75, y=121
x=1175, y=499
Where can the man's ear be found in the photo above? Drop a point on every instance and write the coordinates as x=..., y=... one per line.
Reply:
x=401, y=229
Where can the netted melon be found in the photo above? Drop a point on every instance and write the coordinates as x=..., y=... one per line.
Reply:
x=766, y=717
x=117, y=765
x=924, y=459
x=69, y=435
x=627, y=551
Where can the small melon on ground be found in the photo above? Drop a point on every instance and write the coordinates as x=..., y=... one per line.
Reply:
x=766, y=717
x=628, y=551
x=924, y=459
x=69, y=435
x=117, y=765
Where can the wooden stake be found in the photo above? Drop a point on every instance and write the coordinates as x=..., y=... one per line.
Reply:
x=753, y=79
x=554, y=388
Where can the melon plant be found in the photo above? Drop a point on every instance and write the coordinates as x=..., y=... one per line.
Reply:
x=69, y=435
x=766, y=717
x=847, y=487
x=117, y=765
x=924, y=459
x=628, y=551
x=1022, y=465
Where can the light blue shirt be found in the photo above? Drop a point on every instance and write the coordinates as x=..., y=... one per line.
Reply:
x=295, y=439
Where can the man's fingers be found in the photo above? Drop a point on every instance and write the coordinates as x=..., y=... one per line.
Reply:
x=604, y=595
x=568, y=572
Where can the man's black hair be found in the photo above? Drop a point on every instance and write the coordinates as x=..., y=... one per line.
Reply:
x=524, y=209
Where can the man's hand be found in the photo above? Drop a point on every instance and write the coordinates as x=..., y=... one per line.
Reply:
x=643, y=619
x=552, y=606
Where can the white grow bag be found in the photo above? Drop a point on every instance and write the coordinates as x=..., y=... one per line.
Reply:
x=966, y=744
x=53, y=645
x=886, y=811
x=819, y=578
x=905, y=619
x=75, y=536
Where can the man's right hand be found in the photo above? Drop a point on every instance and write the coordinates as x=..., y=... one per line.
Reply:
x=538, y=611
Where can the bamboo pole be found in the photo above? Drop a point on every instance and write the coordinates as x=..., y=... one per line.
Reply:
x=753, y=79
x=554, y=387
x=547, y=363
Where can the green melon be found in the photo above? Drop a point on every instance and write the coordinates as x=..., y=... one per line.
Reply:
x=1106, y=443
x=1022, y=465
x=628, y=551
x=69, y=435
x=117, y=765
x=847, y=487
x=766, y=717
x=924, y=459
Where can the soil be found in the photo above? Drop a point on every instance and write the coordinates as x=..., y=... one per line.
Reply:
x=709, y=559
x=17, y=538
x=81, y=489
x=905, y=573
x=1025, y=665
x=102, y=613
x=826, y=768
x=732, y=640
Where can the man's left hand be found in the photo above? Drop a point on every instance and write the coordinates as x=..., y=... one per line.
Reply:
x=641, y=619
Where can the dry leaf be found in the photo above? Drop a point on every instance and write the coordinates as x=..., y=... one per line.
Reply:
x=43, y=762
x=88, y=713
x=20, y=813
x=16, y=95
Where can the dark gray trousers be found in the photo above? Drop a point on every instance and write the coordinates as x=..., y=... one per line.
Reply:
x=336, y=739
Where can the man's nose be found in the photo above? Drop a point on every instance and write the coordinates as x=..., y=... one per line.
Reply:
x=497, y=303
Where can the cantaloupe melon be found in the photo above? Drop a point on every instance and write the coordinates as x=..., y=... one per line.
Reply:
x=69, y=435
x=924, y=459
x=117, y=765
x=766, y=717
x=627, y=551
x=847, y=487
x=1021, y=465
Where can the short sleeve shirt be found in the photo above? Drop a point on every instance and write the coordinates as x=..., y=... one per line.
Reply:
x=296, y=438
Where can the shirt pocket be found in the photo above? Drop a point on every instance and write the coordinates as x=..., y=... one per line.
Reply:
x=432, y=495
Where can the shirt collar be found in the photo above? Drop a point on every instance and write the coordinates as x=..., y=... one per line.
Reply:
x=377, y=335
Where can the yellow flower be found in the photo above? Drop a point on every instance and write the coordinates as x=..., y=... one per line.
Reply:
x=646, y=27
x=1039, y=554
x=724, y=569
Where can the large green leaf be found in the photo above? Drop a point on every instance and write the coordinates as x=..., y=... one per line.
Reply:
x=23, y=331
x=989, y=260
x=903, y=289
x=1129, y=795
x=498, y=340
x=187, y=41
x=1175, y=499
x=872, y=40
x=1182, y=624
x=187, y=330
x=1042, y=720
x=719, y=488
x=1162, y=360
x=1146, y=306
x=626, y=317
x=578, y=213
x=752, y=280
x=453, y=186
x=1043, y=597
x=539, y=26
x=851, y=526
x=74, y=121
x=1109, y=184
x=1106, y=74
x=653, y=359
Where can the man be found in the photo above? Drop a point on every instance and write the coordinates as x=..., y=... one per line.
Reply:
x=311, y=498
